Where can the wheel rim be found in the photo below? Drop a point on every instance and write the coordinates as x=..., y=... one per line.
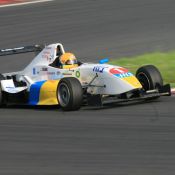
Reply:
x=63, y=94
x=144, y=80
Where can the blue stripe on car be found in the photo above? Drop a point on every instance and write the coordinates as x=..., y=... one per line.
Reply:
x=35, y=92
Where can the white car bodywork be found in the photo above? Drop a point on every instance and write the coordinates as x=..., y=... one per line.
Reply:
x=99, y=78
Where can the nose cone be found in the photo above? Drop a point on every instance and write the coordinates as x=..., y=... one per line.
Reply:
x=126, y=76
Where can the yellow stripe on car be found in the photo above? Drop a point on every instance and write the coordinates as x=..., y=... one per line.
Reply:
x=132, y=80
x=48, y=93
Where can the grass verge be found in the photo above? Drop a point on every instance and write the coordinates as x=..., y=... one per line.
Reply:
x=165, y=62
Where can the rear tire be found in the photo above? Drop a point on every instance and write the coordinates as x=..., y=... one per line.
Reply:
x=150, y=77
x=70, y=94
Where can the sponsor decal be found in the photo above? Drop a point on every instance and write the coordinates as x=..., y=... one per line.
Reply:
x=124, y=75
x=67, y=73
x=8, y=87
x=34, y=71
x=58, y=73
x=77, y=74
x=120, y=72
x=99, y=69
x=44, y=69
x=47, y=55
x=50, y=73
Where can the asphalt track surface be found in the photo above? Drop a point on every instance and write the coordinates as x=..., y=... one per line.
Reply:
x=125, y=140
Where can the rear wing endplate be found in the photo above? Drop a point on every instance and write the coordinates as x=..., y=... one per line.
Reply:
x=24, y=49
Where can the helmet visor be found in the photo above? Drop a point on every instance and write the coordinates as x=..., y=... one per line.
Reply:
x=71, y=62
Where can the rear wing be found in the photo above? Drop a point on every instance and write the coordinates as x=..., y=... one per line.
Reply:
x=24, y=49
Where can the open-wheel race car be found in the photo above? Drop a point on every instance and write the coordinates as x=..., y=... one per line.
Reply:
x=43, y=82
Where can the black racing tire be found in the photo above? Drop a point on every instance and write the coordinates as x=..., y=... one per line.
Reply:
x=150, y=77
x=1, y=94
x=70, y=94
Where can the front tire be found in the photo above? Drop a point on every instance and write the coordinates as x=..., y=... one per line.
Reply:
x=70, y=94
x=150, y=77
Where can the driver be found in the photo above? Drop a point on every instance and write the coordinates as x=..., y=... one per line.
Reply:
x=68, y=60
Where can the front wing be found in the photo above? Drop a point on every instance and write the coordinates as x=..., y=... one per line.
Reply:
x=100, y=100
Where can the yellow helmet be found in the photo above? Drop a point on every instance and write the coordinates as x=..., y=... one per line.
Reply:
x=68, y=59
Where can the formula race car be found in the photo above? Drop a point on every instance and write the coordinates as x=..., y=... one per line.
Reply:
x=42, y=82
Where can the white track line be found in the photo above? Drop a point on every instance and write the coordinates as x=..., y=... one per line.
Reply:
x=24, y=3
